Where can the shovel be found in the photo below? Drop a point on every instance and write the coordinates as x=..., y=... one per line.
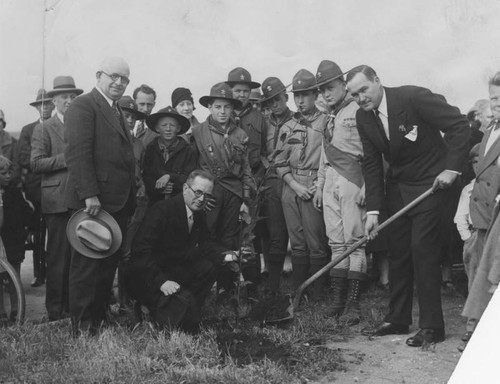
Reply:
x=352, y=248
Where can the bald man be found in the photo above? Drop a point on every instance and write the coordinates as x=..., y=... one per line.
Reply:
x=101, y=168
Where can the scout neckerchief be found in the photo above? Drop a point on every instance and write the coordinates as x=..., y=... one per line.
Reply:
x=329, y=133
x=278, y=123
x=306, y=121
x=167, y=149
x=232, y=154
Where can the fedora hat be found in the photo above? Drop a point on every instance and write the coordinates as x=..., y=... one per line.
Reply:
x=271, y=87
x=96, y=237
x=255, y=96
x=328, y=71
x=128, y=104
x=64, y=84
x=303, y=81
x=41, y=97
x=241, y=76
x=151, y=120
x=220, y=91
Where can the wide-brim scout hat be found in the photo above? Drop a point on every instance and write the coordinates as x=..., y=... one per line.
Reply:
x=96, y=237
x=41, y=97
x=271, y=87
x=128, y=104
x=220, y=91
x=151, y=120
x=241, y=76
x=64, y=84
x=304, y=81
x=328, y=71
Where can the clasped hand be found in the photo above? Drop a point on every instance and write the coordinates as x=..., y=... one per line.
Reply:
x=170, y=287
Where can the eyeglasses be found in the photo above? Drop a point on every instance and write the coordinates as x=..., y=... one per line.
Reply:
x=115, y=77
x=199, y=194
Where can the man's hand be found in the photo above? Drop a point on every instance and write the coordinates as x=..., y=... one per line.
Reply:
x=371, y=226
x=318, y=199
x=301, y=190
x=168, y=188
x=169, y=287
x=209, y=203
x=230, y=256
x=93, y=205
x=362, y=197
x=444, y=180
x=162, y=182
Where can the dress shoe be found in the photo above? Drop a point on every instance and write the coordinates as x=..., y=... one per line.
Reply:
x=37, y=282
x=386, y=329
x=426, y=335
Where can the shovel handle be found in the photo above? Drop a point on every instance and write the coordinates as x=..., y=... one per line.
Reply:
x=356, y=245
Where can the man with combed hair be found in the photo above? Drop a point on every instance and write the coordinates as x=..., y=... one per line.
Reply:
x=404, y=125
x=145, y=98
x=101, y=166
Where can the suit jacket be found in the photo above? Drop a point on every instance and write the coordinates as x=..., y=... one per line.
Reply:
x=99, y=155
x=163, y=241
x=47, y=159
x=31, y=182
x=413, y=165
x=487, y=185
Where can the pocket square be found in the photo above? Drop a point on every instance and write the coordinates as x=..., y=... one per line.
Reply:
x=413, y=134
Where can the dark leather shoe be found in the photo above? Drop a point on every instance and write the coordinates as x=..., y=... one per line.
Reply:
x=426, y=335
x=386, y=329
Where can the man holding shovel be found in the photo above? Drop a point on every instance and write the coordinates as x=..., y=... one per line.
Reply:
x=404, y=125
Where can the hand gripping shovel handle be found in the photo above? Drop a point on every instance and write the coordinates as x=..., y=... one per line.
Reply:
x=356, y=245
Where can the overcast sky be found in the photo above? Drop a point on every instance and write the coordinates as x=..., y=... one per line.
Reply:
x=450, y=46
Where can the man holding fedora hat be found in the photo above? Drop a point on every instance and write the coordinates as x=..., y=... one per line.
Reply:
x=101, y=165
x=297, y=164
x=222, y=147
x=31, y=185
x=47, y=158
x=340, y=191
x=275, y=98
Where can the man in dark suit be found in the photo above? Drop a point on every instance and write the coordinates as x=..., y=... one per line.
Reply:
x=31, y=185
x=174, y=262
x=404, y=125
x=47, y=158
x=101, y=168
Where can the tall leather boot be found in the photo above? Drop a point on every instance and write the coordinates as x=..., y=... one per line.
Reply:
x=339, y=295
x=318, y=285
x=300, y=273
x=352, y=312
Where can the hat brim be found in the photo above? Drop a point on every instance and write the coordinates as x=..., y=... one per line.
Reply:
x=138, y=115
x=331, y=79
x=264, y=99
x=38, y=102
x=80, y=215
x=305, y=89
x=151, y=121
x=57, y=91
x=206, y=100
x=252, y=84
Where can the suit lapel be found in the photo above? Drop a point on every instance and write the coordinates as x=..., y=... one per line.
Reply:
x=59, y=128
x=109, y=114
x=489, y=157
x=396, y=117
x=374, y=133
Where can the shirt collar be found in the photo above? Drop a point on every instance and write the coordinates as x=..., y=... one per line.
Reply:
x=189, y=212
x=110, y=102
x=382, y=108
x=60, y=116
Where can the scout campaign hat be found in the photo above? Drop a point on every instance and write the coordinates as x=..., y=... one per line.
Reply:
x=303, y=81
x=2, y=117
x=241, y=76
x=271, y=87
x=220, y=91
x=96, y=237
x=180, y=94
x=128, y=104
x=328, y=71
x=41, y=97
x=151, y=120
x=64, y=84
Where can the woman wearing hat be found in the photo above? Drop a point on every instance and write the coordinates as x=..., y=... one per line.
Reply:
x=182, y=102
x=168, y=159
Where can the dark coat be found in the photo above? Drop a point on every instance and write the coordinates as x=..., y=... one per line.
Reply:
x=47, y=158
x=99, y=156
x=413, y=165
x=182, y=161
x=31, y=182
x=163, y=242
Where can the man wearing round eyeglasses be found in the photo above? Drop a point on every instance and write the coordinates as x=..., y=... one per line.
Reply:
x=101, y=168
x=174, y=261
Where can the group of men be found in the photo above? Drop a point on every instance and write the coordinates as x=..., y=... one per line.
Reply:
x=327, y=177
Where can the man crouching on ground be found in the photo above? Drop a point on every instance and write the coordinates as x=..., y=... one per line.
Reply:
x=173, y=262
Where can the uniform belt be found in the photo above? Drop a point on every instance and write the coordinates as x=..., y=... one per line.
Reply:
x=305, y=172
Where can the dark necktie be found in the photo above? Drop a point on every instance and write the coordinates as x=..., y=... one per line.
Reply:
x=380, y=126
x=497, y=125
x=140, y=129
x=118, y=115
